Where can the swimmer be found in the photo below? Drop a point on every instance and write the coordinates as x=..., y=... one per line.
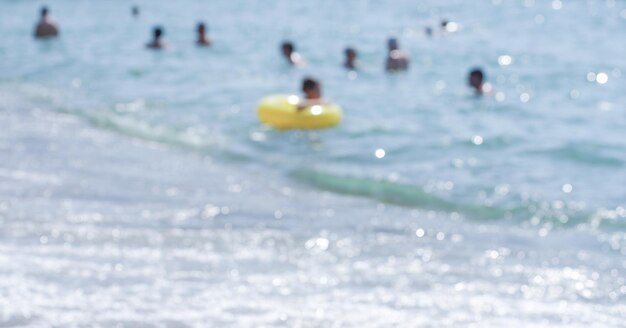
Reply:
x=291, y=55
x=312, y=93
x=350, y=59
x=203, y=39
x=396, y=59
x=46, y=28
x=135, y=11
x=476, y=81
x=428, y=31
x=448, y=26
x=156, y=42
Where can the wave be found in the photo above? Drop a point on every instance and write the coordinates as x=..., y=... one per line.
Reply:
x=394, y=193
x=584, y=153
x=542, y=214
x=204, y=142
x=188, y=138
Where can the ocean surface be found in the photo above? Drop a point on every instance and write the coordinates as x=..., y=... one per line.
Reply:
x=138, y=188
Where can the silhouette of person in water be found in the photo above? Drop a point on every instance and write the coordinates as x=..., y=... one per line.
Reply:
x=135, y=11
x=156, y=42
x=312, y=90
x=203, y=39
x=289, y=52
x=444, y=24
x=397, y=60
x=447, y=26
x=428, y=31
x=350, y=59
x=46, y=28
x=476, y=81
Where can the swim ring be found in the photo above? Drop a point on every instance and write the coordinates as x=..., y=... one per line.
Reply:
x=281, y=112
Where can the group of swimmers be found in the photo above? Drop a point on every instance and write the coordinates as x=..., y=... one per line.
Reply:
x=397, y=59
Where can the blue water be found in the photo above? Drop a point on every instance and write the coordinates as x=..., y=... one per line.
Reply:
x=139, y=187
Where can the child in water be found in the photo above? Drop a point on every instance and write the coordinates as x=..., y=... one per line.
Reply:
x=46, y=28
x=397, y=60
x=156, y=42
x=476, y=80
x=203, y=39
x=350, y=59
x=312, y=93
x=289, y=52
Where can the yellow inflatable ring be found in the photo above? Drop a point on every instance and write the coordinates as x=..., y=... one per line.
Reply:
x=281, y=112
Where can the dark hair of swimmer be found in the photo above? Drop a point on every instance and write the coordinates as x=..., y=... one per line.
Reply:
x=476, y=79
x=287, y=47
x=44, y=11
x=158, y=31
x=392, y=43
x=444, y=23
x=311, y=87
x=350, y=52
x=135, y=11
x=201, y=27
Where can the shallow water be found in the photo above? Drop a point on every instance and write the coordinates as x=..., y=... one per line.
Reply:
x=139, y=187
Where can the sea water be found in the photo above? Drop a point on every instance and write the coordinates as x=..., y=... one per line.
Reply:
x=137, y=188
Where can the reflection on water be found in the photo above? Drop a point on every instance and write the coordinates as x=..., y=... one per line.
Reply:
x=138, y=187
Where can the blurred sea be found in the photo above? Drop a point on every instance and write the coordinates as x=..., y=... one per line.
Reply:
x=137, y=188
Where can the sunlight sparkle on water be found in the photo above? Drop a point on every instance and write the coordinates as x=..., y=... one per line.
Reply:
x=524, y=97
x=567, y=188
x=452, y=27
x=380, y=153
x=602, y=78
x=505, y=60
x=487, y=87
x=539, y=19
x=500, y=96
x=591, y=76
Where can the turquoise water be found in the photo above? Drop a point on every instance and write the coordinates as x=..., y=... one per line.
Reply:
x=506, y=209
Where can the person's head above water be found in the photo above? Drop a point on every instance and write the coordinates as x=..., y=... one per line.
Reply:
x=287, y=48
x=135, y=11
x=311, y=88
x=476, y=79
x=157, y=32
x=350, y=58
x=289, y=52
x=392, y=44
x=350, y=53
x=44, y=12
x=201, y=28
